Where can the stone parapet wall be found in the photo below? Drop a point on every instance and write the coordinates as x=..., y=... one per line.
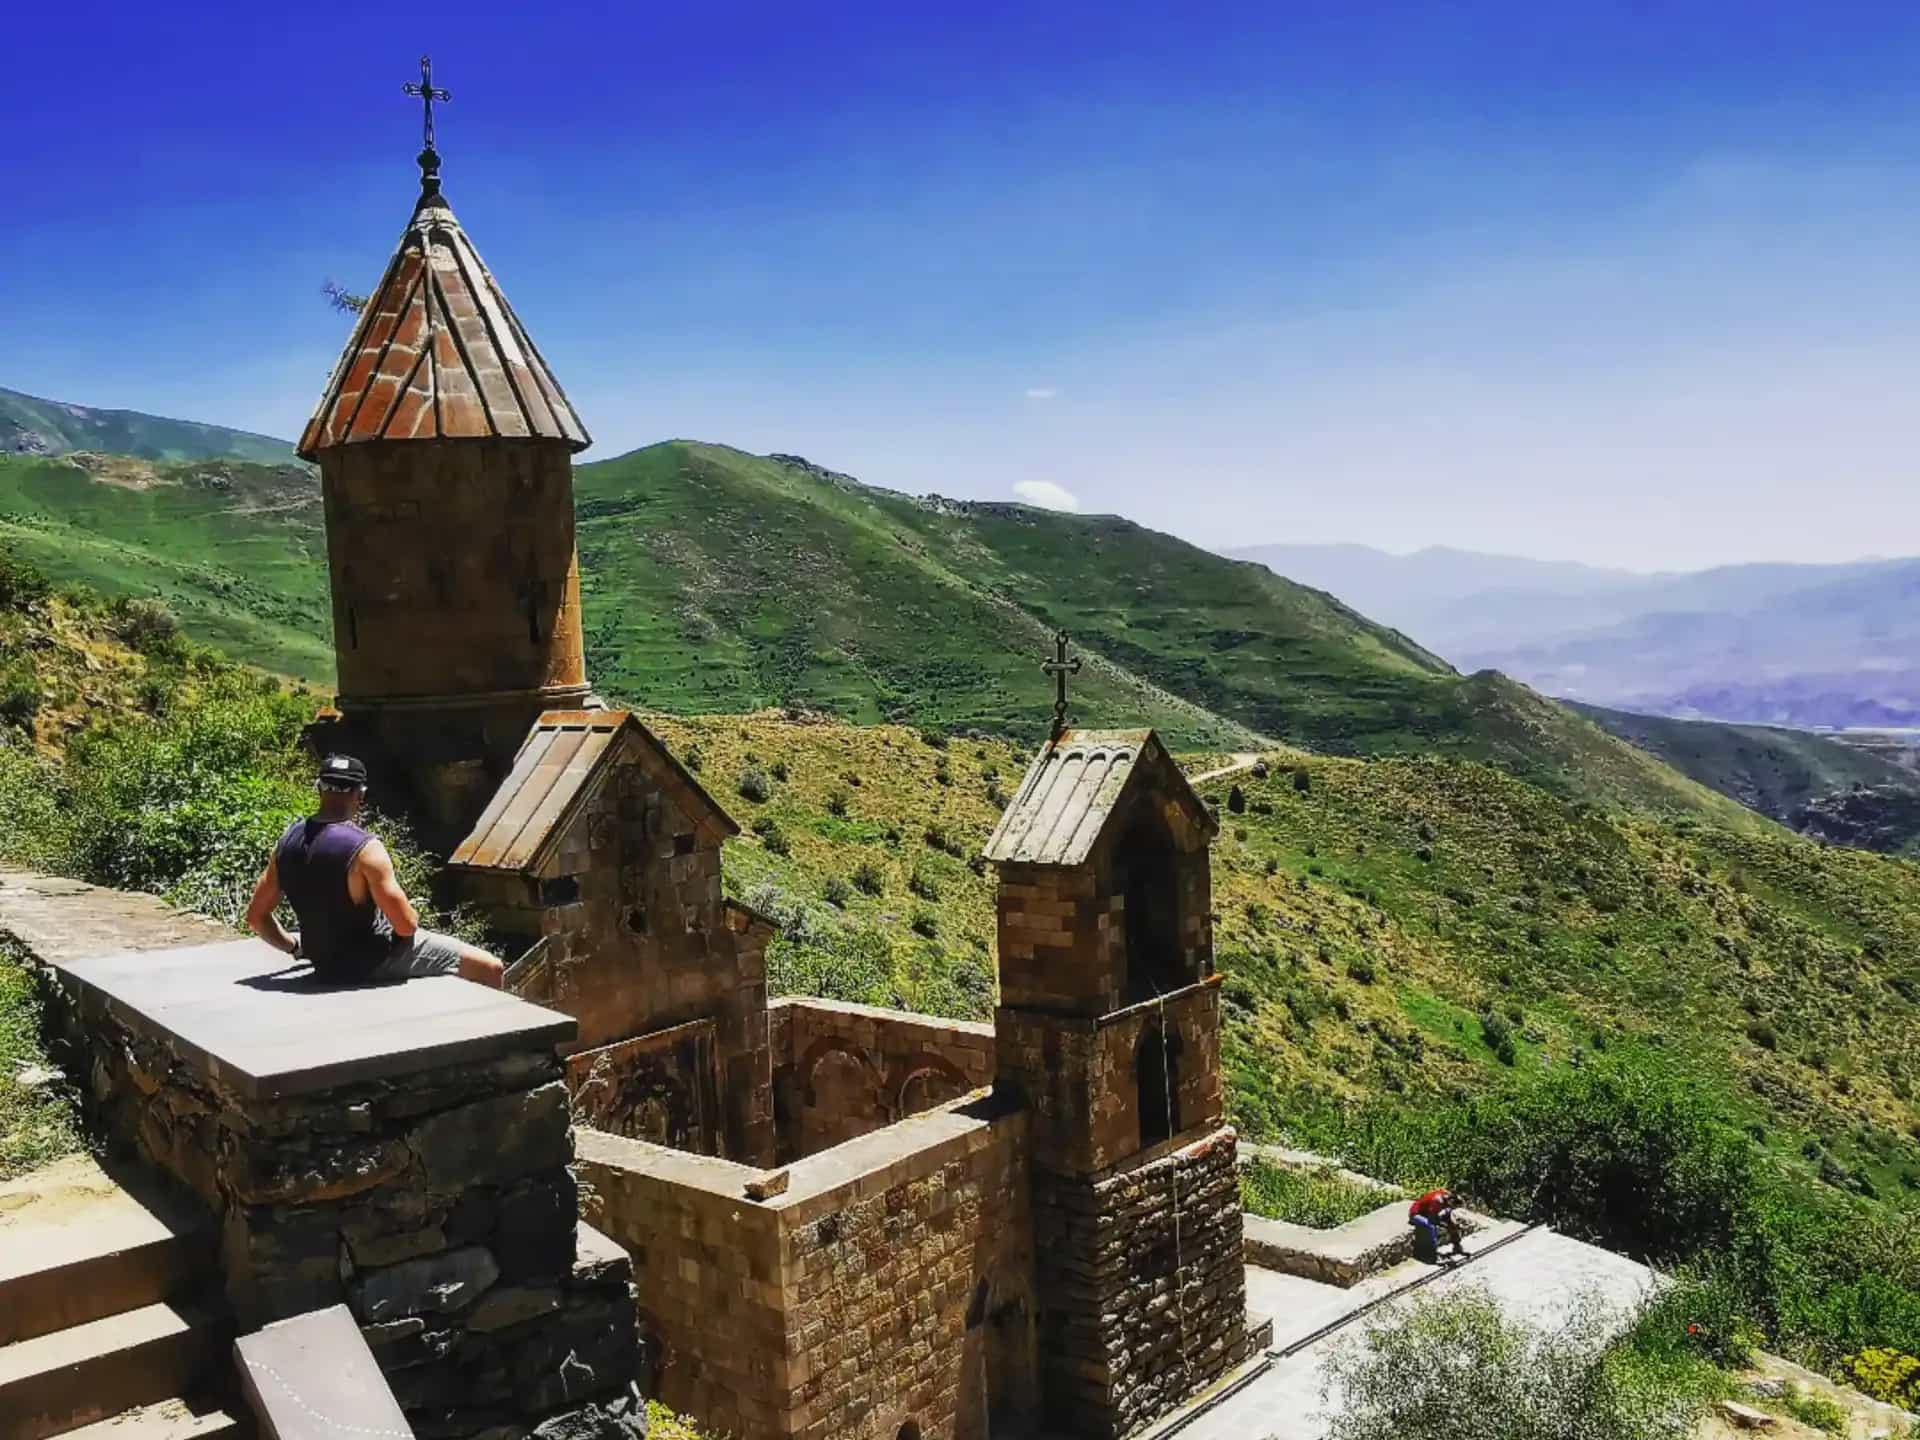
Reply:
x=1143, y=1285
x=438, y=1205
x=886, y=1282
x=842, y=1070
x=707, y=1266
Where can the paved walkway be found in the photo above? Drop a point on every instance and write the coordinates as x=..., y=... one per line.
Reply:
x=1536, y=1278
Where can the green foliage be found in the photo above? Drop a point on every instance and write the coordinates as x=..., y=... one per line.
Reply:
x=1458, y=1369
x=1321, y=1198
x=755, y=785
x=1885, y=1374
x=1815, y=1410
x=38, y=1122
x=869, y=878
x=1645, y=1163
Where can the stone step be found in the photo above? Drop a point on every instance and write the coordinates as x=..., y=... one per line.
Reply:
x=169, y=1420
x=55, y=1383
x=76, y=1246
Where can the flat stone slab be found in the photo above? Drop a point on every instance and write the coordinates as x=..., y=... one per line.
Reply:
x=243, y=1013
x=1346, y=1254
x=312, y=1377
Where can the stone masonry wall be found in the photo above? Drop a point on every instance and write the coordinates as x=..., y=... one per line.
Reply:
x=841, y=1070
x=909, y=1291
x=887, y=1281
x=439, y=1206
x=1078, y=1076
x=646, y=942
x=706, y=1266
x=1143, y=1286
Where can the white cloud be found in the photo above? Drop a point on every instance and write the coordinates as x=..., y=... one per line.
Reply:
x=1047, y=495
x=1041, y=392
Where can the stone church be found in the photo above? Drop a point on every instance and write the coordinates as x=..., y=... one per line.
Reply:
x=843, y=1222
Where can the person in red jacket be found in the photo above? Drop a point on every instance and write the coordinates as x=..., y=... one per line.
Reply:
x=1434, y=1212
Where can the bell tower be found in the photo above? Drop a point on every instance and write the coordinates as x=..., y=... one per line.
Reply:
x=1108, y=1035
x=445, y=450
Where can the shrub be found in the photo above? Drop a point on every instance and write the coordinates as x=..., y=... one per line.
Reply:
x=1360, y=969
x=779, y=771
x=838, y=803
x=869, y=878
x=1237, y=800
x=1456, y=1368
x=923, y=885
x=1302, y=780
x=1886, y=1374
x=926, y=923
x=695, y=759
x=145, y=625
x=837, y=892
x=22, y=585
x=755, y=786
x=1497, y=1031
x=772, y=836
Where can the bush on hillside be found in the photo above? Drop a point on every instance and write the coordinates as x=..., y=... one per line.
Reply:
x=755, y=786
x=1456, y=1368
x=22, y=586
x=146, y=625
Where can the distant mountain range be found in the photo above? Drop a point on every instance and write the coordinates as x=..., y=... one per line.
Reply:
x=1803, y=645
x=32, y=426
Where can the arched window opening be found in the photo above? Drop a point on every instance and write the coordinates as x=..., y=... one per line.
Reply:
x=1146, y=875
x=1156, y=1072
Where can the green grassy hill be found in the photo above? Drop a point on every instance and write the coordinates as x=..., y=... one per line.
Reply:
x=32, y=426
x=716, y=581
x=236, y=549
x=1777, y=771
x=1373, y=914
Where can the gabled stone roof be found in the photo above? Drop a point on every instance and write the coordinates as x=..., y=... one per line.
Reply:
x=439, y=354
x=1071, y=792
x=558, y=764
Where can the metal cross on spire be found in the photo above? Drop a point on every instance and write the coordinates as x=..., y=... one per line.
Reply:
x=427, y=93
x=1060, y=667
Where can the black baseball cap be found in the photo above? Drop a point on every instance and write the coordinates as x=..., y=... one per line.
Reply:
x=343, y=772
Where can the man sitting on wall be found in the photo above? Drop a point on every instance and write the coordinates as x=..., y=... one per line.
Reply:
x=356, y=923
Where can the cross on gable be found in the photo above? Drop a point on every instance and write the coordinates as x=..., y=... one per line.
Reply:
x=1060, y=667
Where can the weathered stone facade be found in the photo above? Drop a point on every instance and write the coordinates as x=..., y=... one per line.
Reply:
x=1143, y=1285
x=885, y=1283
x=439, y=1205
x=842, y=1070
x=622, y=884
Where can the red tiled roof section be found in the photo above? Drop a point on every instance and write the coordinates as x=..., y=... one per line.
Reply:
x=439, y=353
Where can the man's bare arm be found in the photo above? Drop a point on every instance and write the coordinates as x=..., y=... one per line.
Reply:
x=262, y=916
x=383, y=886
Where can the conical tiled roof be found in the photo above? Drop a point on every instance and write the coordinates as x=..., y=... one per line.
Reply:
x=439, y=353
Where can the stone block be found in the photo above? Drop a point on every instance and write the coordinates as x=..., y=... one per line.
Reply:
x=495, y=1140
x=435, y=1284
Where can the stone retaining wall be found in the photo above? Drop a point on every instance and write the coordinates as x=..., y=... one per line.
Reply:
x=1144, y=1285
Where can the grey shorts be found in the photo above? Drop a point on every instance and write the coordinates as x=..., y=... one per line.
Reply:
x=423, y=953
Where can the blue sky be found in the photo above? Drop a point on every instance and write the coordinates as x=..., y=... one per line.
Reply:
x=1631, y=283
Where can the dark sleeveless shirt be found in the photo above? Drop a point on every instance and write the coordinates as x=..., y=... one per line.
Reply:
x=344, y=941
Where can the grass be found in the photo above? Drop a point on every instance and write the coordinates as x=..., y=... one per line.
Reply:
x=1320, y=1198
x=716, y=582
x=38, y=1122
